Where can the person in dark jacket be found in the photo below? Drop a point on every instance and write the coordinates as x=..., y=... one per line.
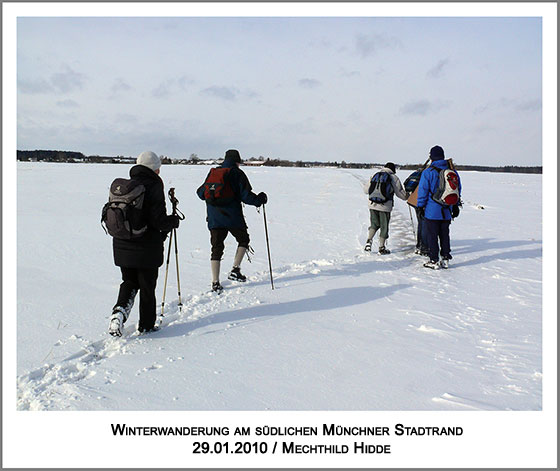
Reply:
x=139, y=259
x=437, y=217
x=229, y=219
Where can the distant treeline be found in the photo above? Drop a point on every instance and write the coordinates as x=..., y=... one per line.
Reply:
x=483, y=168
x=78, y=157
x=68, y=157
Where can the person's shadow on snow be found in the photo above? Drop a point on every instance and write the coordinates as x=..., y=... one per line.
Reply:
x=332, y=299
x=465, y=247
x=348, y=269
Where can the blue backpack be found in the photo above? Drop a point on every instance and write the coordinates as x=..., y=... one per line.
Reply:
x=412, y=181
x=381, y=188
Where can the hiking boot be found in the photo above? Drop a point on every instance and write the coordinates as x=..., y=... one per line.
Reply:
x=116, y=323
x=445, y=261
x=236, y=275
x=144, y=330
x=367, y=248
x=384, y=251
x=217, y=287
x=433, y=265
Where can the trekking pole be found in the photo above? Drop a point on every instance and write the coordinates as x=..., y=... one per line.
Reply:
x=176, y=212
x=267, y=245
x=166, y=272
x=177, y=264
x=411, y=221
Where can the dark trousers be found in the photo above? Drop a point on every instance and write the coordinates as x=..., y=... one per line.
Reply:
x=421, y=242
x=437, y=230
x=143, y=280
x=218, y=236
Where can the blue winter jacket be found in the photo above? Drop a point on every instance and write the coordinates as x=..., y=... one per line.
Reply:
x=429, y=182
x=231, y=216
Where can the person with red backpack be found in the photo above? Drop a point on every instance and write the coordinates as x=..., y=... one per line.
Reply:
x=224, y=189
x=439, y=191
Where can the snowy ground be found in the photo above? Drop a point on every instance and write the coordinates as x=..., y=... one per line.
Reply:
x=343, y=330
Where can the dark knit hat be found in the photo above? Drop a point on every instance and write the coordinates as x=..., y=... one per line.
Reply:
x=233, y=155
x=390, y=165
x=436, y=153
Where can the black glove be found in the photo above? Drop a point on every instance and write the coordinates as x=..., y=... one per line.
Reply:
x=174, y=220
x=421, y=212
x=263, y=199
x=455, y=211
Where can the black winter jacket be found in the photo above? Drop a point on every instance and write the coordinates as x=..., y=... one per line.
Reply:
x=146, y=251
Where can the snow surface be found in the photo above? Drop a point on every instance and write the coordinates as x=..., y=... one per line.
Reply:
x=342, y=330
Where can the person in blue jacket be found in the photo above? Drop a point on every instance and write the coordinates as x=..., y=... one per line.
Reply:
x=437, y=217
x=229, y=219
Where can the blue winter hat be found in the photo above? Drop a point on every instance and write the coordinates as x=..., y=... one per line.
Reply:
x=436, y=153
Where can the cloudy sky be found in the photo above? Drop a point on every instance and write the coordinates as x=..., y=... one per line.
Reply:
x=359, y=89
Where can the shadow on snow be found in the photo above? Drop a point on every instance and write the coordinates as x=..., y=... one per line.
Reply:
x=332, y=299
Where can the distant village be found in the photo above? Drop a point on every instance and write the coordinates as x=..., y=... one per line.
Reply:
x=78, y=157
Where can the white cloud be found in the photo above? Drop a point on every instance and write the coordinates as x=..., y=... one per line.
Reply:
x=438, y=70
x=423, y=107
x=67, y=104
x=119, y=85
x=67, y=81
x=369, y=44
x=309, y=83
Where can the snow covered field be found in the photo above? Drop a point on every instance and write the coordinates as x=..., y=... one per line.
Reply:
x=343, y=330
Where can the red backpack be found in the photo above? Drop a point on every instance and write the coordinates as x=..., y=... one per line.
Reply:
x=217, y=187
x=447, y=193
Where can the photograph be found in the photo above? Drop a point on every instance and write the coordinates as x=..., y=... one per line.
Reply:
x=282, y=214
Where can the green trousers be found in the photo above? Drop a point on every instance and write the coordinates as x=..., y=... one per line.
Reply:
x=379, y=220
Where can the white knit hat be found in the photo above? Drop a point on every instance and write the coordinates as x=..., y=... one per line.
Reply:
x=149, y=159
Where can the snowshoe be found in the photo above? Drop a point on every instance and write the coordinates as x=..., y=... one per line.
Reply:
x=143, y=330
x=217, y=287
x=384, y=251
x=236, y=275
x=116, y=323
x=433, y=265
x=444, y=263
x=367, y=248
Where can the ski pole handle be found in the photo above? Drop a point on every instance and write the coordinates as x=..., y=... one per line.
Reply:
x=174, y=204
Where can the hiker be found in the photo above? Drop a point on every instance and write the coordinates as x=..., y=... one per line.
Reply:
x=410, y=184
x=437, y=216
x=381, y=190
x=421, y=242
x=225, y=214
x=140, y=258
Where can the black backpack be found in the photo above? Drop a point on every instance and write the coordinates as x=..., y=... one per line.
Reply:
x=122, y=216
x=381, y=188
